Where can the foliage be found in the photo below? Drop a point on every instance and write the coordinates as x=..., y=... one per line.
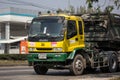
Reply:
x=13, y=56
x=109, y=8
x=116, y=3
x=91, y=8
x=84, y=10
x=90, y=3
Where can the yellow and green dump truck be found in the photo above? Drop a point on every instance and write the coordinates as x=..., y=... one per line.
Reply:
x=76, y=42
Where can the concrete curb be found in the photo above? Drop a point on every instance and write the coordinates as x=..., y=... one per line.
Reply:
x=13, y=63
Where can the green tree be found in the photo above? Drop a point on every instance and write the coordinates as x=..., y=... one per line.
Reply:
x=72, y=9
x=90, y=3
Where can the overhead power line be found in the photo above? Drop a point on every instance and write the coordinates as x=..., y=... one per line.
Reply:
x=31, y=4
x=11, y=3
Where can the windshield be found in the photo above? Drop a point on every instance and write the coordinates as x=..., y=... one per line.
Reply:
x=48, y=27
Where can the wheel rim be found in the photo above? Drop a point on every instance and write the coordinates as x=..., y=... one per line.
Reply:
x=78, y=65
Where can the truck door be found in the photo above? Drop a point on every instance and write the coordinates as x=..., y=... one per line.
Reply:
x=72, y=35
x=81, y=34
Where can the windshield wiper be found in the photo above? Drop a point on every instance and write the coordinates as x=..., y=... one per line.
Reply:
x=40, y=34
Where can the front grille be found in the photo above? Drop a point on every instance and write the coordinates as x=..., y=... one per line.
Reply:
x=44, y=48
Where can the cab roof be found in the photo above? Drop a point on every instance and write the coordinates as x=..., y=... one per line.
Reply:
x=66, y=16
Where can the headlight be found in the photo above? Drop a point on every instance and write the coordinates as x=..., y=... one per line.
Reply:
x=57, y=49
x=31, y=49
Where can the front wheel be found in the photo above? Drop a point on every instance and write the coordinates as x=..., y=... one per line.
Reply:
x=77, y=65
x=40, y=69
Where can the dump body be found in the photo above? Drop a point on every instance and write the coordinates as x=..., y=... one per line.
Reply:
x=103, y=29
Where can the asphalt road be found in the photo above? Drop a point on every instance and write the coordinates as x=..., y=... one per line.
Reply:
x=27, y=73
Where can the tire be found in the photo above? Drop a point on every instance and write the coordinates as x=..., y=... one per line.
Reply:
x=40, y=69
x=113, y=64
x=77, y=65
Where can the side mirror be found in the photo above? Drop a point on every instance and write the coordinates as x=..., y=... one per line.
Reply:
x=27, y=24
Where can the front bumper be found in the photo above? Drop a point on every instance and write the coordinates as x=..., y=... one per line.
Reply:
x=49, y=57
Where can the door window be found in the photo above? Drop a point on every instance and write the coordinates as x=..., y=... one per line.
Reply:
x=71, y=29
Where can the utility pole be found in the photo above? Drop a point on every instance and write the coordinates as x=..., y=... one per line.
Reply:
x=69, y=9
x=7, y=37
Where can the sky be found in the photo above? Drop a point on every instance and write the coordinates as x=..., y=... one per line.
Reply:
x=45, y=5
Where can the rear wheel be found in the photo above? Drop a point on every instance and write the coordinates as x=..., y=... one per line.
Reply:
x=113, y=64
x=40, y=69
x=77, y=65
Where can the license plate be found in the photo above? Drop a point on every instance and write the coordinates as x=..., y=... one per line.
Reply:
x=42, y=56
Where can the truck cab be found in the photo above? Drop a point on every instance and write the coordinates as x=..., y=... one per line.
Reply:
x=53, y=40
x=56, y=34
